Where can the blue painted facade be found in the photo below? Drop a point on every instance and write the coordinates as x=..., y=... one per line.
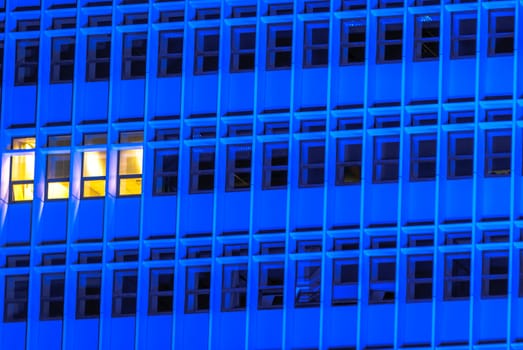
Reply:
x=261, y=175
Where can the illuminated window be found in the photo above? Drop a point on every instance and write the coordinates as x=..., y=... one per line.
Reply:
x=22, y=170
x=58, y=176
x=130, y=172
x=93, y=174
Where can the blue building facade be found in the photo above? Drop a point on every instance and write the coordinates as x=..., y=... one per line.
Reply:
x=341, y=174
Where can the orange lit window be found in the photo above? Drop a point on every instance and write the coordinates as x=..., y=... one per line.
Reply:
x=58, y=176
x=93, y=174
x=22, y=170
x=130, y=172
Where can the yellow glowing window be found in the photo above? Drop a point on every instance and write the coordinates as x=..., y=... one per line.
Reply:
x=130, y=172
x=22, y=176
x=58, y=176
x=23, y=143
x=93, y=174
x=22, y=169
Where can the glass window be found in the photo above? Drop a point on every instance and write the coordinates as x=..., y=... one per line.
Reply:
x=161, y=291
x=269, y=248
x=134, y=55
x=207, y=42
x=281, y=9
x=93, y=174
x=461, y=154
x=202, y=170
x=353, y=36
x=498, y=152
x=243, y=47
x=452, y=238
x=15, y=299
x=234, y=288
x=347, y=5
x=279, y=46
x=58, y=176
x=387, y=121
x=64, y=23
x=317, y=6
x=349, y=243
x=172, y=16
x=495, y=274
x=244, y=11
x=88, y=294
x=131, y=136
x=52, y=296
x=238, y=167
x=207, y=13
x=240, y=249
x=62, y=59
x=501, y=32
x=316, y=46
x=312, y=163
x=125, y=255
x=275, y=165
x=59, y=141
x=165, y=171
x=345, y=281
x=419, y=278
x=124, y=293
x=390, y=39
x=28, y=25
x=496, y=236
x=22, y=170
x=386, y=159
x=53, y=259
x=308, y=283
x=94, y=257
x=98, y=57
x=95, y=139
x=423, y=157
x=270, y=289
x=497, y=115
x=170, y=53
x=135, y=18
x=130, y=172
x=426, y=40
x=463, y=34
x=27, y=55
x=198, y=289
x=100, y=21
x=162, y=253
x=457, y=276
x=348, y=161
x=424, y=119
x=382, y=281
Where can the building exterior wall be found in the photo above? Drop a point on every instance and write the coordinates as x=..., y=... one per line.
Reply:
x=261, y=175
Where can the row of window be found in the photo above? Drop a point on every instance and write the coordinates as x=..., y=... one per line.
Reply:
x=382, y=285
x=386, y=163
x=389, y=45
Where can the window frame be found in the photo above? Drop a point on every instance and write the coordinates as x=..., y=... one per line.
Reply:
x=98, y=178
x=457, y=38
x=416, y=159
x=165, y=57
x=379, y=161
x=494, y=36
x=83, y=297
x=233, y=170
x=93, y=61
x=232, y=293
x=378, y=285
x=382, y=43
x=237, y=52
x=453, y=157
x=119, y=295
x=130, y=57
x=46, y=298
x=346, y=287
x=57, y=62
x=487, y=276
x=311, y=48
x=200, y=54
x=155, y=293
x=8, y=300
x=450, y=278
x=273, y=49
x=161, y=176
x=266, y=289
x=421, y=41
x=269, y=169
x=195, y=291
x=307, y=283
x=123, y=177
x=491, y=156
x=306, y=166
x=413, y=280
x=343, y=163
x=347, y=45
x=196, y=172
x=23, y=61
